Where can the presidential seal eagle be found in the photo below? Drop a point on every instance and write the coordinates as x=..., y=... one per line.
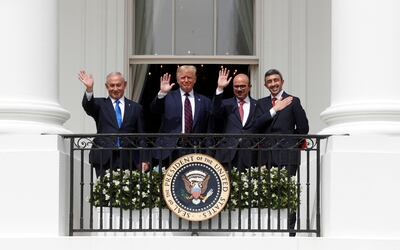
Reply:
x=196, y=183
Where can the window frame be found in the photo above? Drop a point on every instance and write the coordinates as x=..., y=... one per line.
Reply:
x=253, y=61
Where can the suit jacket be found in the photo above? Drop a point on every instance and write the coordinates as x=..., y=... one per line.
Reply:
x=102, y=111
x=226, y=112
x=291, y=120
x=170, y=107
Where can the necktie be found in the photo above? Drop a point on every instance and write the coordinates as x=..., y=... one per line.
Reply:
x=241, y=110
x=188, y=115
x=118, y=113
x=273, y=101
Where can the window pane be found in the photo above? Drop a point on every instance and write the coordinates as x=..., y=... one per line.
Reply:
x=186, y=27
x=194, y=27
x=153, y=27
x=235, y=27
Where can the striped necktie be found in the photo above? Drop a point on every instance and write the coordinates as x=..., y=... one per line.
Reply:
x=188, y=115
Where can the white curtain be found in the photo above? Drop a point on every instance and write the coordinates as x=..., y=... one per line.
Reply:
x=244, y=9
x=235, y=27
x=143, y=44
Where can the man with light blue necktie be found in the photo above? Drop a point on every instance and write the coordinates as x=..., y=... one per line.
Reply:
x=114, y=114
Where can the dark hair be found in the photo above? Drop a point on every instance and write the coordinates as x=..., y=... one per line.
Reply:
x=273, y=72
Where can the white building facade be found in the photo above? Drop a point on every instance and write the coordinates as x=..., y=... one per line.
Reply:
x=340, y=57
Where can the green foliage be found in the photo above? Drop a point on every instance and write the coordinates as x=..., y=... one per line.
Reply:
x=128, y=189
x=263, y=188
x=252, y=188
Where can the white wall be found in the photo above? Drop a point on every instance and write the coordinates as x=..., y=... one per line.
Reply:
x=92, y=37
x=296, y=41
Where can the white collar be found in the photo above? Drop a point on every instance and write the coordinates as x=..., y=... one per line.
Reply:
x=278, y=96
x=121, y=100
x=246, y=100
x=191, y=93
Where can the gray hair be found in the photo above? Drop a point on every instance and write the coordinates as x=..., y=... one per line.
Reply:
x=115, y=74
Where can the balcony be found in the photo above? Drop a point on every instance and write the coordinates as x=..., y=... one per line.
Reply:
x=274, y=184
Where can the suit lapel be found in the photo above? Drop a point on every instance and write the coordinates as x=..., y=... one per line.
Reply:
x=284, y=95
x=110, y=109
x=197, y=106
x=177, y=99
x=127, y=112
x=235, y=109
x=251, y=112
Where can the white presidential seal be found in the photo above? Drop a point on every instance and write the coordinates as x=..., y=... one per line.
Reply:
x=196, y=187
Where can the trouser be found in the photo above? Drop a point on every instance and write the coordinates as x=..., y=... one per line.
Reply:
x=102, y=167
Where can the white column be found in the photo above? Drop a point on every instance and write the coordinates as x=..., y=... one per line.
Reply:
x=365, y=82
x=29, y=68
x=360, y=171
x=34, y=166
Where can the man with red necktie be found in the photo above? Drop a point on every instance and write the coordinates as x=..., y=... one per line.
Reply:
x=233, y=116
x=236, y=115
x=182, y=110
x=291, y=120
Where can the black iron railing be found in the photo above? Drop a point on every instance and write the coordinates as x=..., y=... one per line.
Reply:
x=274, y=180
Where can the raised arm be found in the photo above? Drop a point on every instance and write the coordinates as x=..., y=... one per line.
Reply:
x=165, y=85
x=223, y=79
x=87, y=80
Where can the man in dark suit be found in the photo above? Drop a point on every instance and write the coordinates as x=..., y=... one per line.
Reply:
x=291, y=120
x=114, y=114
x=236, y=117
x=182, y=110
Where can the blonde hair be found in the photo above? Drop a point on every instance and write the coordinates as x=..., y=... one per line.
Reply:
x=186, y=67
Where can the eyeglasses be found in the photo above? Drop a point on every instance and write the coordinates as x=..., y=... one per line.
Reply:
x=239, y=87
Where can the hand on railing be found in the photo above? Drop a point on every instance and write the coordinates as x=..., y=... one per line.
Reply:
x=145, y=166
